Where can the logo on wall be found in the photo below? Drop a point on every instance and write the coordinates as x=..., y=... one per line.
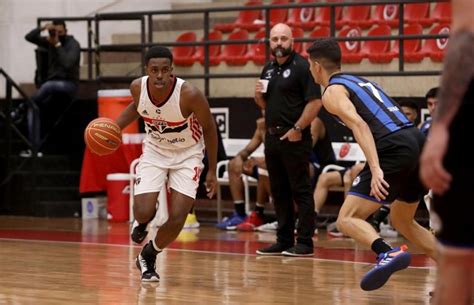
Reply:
x=221, y=115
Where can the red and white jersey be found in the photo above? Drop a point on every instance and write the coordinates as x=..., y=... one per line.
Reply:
x=165, y=126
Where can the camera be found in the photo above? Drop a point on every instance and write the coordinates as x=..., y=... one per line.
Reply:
x=52, y=32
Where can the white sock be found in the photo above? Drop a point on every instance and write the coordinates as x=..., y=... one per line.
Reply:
x=155, y=246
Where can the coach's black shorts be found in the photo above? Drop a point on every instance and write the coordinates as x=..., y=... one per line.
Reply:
x=456, y=207
x=399, y=154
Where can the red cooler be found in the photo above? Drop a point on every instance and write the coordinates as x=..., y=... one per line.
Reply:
x=118, y=194
x=112, y=102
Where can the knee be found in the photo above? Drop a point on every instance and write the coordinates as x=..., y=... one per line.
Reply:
x=234, y=169
x=143, y=213
x=342, y=223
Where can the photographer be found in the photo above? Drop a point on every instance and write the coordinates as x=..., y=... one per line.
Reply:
x=62, y=71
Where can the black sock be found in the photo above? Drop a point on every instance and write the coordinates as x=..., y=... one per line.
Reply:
x=148, y=251
x=259, y=210
x=380, y=246
x=240, y=209
x=192, y=210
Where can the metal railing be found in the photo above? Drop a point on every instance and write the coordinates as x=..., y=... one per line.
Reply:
x=11, y=128
x=147, y=29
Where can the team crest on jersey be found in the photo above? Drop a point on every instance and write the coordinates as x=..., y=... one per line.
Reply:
x=162, y=126
x=286, y=73
x=356, y=181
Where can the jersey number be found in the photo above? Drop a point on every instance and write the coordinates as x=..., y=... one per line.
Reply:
x=197, y=173
x=374, y=90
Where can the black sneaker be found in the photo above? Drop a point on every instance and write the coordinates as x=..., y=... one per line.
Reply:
x=275, y=249
x=147, y=269
x=299, y=250
x=139, y=232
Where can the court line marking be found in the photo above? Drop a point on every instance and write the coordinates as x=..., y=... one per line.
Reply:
x=202, y=251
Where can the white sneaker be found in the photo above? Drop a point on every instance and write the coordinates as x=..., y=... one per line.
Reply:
x=268, y=227
x=386, y=230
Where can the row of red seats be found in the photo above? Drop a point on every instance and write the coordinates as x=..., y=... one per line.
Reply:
x=362, y=16
x=377, y=51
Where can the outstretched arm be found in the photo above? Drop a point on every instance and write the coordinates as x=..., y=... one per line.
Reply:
x=337, y=102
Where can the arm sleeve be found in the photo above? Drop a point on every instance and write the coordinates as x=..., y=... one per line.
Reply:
x=311, y=89
x=34, y=36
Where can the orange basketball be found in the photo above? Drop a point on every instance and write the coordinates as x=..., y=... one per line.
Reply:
x=103, y=136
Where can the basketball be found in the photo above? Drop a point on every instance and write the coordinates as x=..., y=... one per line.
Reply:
x=103, y=136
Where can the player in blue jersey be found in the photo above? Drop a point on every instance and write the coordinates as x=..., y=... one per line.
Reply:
x=392, y=146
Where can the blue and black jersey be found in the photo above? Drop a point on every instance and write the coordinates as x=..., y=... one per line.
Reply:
x=377, y=109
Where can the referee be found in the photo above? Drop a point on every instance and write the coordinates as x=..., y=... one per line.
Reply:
x=291, y=101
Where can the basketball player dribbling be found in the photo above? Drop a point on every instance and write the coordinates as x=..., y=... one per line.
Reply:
x=447, y=166
x=179, y=126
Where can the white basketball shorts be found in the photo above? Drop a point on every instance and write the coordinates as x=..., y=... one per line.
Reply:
x=182, y=168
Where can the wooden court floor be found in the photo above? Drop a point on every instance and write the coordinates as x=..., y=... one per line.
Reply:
x=68, y=261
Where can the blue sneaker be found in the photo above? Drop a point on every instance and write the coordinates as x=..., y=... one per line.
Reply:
x=230, y=223
x=387, y=264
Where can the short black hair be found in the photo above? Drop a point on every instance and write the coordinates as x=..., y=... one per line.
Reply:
x=409, y=103
x=158, y=52
x=433, y=92
x=59, y=22
x=327, y=52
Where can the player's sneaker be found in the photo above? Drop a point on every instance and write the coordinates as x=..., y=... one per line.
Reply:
x=230, y=223
x=386, y=230
x=251, y=222
x=268, y=227
x=139, y=232
x=387, y=264
x=275, y=249
x=191, y=222
x=332, y=230
x=147, y=269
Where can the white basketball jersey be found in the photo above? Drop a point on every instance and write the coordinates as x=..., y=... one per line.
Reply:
x=165, y=126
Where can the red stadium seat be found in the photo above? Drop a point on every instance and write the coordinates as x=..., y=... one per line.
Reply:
x=411, y=47
x=441, y=14
x=235, y=54
x=417, y=13
x=183, y=55
x=385, y=14
x=256, y=52
x=321, y=32
x=214, y=50
x=278, y=15
x=246, y=19
x=435, y=48
x=302, y=17
x=377, y=50
x=355, y=16
x=322, y=17
x=350, y=49
x=297, y=33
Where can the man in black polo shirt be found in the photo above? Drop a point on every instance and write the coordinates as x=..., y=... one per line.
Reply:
x=291, y=102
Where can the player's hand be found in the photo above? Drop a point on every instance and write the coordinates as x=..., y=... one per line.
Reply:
x=432, y=172
x=378, y=186
x=292, y=135
x=211, y=183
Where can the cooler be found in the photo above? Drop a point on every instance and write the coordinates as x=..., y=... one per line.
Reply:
x=118, y=194
x=112, y=102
